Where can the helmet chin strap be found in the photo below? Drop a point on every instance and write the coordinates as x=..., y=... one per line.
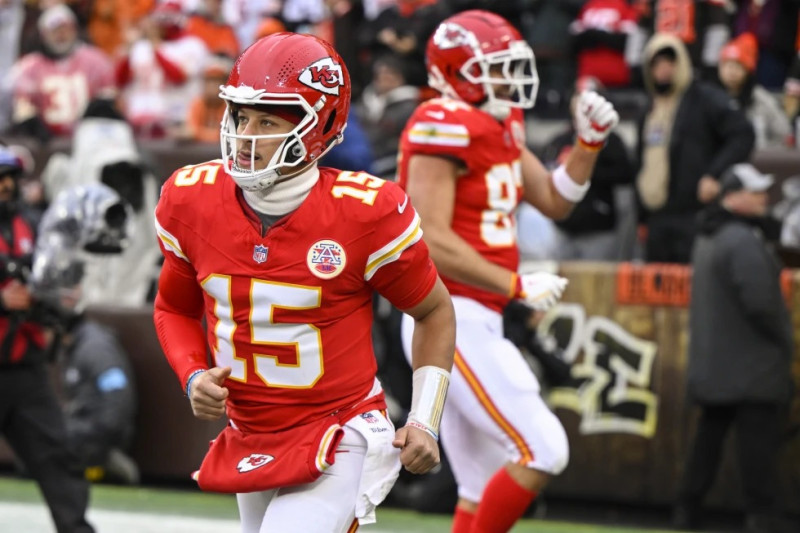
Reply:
x=286, y=194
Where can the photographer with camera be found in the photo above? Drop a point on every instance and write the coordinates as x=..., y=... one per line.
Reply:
x=30, y=417
x=99, y=394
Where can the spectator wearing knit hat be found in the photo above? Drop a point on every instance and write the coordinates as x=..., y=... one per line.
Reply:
x=737, y=66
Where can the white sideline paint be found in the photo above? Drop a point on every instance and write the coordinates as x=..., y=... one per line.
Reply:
x=35, y=518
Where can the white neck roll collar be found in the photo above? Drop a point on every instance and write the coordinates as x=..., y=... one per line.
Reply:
x=285, y=196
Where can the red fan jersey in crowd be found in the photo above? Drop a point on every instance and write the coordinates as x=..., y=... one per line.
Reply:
x=603, y=62
x=491, y=186
x=57, y=90
x=291, y=312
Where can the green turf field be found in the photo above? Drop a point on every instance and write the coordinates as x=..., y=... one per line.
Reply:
x=117, y=509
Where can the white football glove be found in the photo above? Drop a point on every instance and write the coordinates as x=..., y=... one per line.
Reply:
x=542, y=290
x=595, y=117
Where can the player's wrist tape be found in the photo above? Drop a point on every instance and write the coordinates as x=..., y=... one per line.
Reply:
x=591, y=146
x=427, y=398
x=515, y=287
x=189, y=381
x=567, y=187
x=423, y=427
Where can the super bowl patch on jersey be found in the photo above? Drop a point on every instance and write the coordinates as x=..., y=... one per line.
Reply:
x=326, y=259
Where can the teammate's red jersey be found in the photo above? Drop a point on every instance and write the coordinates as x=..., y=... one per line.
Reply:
x=59, y=89
x=489, y=190
x=291, y=312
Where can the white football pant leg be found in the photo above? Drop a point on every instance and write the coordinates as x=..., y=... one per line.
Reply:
x=252, y=506
x=494, y=411
x=328, y=504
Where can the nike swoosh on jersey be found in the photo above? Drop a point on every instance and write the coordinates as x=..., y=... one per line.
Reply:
x=438, y=115
x=402, y=207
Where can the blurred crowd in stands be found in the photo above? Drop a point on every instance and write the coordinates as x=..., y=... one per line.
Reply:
x=158, y=65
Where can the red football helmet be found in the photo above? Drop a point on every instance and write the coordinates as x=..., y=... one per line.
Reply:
x=287, y=69
x=474, y=55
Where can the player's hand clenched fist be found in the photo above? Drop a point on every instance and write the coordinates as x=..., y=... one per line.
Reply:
x=541, y=290
x=207, y=393
x=595, y=117
x=419, y=451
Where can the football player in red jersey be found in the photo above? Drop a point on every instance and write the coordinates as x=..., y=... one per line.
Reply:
x=464, y=164
x=282, y=257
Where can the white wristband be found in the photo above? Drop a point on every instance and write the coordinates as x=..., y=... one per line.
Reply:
x=427, y=398
x=567, y=187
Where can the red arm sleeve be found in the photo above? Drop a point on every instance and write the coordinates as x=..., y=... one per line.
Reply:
x=173, y=72
x=177, y=315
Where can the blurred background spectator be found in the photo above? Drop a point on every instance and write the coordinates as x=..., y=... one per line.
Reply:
x=354, y=152
x=689, y=136
x=737, y=65
x=109, y=23
x=384, y=108
x=161, y=71
x=742, y=378
x=205, y=111
x=549, y=36
x=51, y=87
x=601, y=34
x=210, y=26
x=791, y=95
x=404, y=30
x=12, y=17
x=590, y=230
x=774, y=24
x=701, y=25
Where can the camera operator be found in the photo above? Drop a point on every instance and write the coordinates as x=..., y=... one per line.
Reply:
x=99, y=392
x=30, y=416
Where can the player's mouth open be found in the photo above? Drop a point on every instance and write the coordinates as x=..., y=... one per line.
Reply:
x=243, y=159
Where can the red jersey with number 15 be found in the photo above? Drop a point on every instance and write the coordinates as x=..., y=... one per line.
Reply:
x=490, y=188
x=291, y=311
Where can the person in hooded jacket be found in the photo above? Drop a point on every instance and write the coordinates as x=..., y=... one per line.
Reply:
x=690, y=134
x=741, y=378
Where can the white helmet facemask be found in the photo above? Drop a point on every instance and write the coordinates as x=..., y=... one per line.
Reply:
x=289, y=155
x=518, y=72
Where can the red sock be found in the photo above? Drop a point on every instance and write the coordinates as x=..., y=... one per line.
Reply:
x=462, y=521
x=502, y=504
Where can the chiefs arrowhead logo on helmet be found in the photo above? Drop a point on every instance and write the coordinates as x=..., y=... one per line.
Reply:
x=450, y=35
x=323, y=75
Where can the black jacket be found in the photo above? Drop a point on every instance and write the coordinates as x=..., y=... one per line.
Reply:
x=709, y=135
x=740, y=346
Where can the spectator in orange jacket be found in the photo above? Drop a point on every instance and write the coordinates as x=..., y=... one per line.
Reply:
x=209, y=25
x=205, y=111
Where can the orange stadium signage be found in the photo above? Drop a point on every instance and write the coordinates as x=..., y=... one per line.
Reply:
x=666, y=284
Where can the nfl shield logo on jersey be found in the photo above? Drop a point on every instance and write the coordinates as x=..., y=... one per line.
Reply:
x=326, y=259
x=260, y=253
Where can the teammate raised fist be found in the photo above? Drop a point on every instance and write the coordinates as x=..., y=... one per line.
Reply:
x=595, y=117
